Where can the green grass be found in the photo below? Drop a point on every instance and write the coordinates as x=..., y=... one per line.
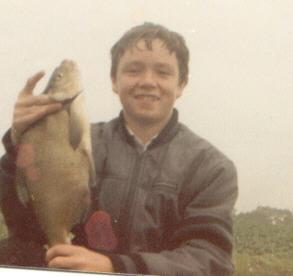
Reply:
x=263, y=265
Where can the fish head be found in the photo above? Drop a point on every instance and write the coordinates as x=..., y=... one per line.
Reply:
x=65, y=82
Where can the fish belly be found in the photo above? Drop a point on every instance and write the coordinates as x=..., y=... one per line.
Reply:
x=56, y=177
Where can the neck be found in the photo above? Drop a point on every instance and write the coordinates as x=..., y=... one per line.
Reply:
x=145, y=131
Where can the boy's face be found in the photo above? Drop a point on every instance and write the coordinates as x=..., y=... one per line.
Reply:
x=147, y=83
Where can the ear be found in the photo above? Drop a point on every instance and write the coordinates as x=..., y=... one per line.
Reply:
x=180, y=89
x=114, y=85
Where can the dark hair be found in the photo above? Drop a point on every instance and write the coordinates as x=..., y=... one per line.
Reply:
x=148, y=32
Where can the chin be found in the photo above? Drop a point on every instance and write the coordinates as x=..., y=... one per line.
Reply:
x=147, y=118
x=152, y=121
x=144, y=116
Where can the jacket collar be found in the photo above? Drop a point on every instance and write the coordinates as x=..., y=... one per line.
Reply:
x=166, y=134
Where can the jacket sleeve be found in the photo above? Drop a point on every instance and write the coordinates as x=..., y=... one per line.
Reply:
x=19, y=219
x=202, y=243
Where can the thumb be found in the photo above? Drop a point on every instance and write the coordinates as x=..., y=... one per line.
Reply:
x=31, y=83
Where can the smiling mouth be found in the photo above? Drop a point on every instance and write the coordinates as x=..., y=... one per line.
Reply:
x=147, y=97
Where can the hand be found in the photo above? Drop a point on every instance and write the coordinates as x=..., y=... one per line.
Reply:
x=77, y=258
x=29, y=108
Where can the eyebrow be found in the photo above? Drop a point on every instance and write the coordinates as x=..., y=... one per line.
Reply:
x=133, y=63
x=164, y=65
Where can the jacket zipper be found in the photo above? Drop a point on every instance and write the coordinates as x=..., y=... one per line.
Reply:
x=127, y=212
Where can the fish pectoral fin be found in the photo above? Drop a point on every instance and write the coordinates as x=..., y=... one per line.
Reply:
x=92, y=171
x=78, y=122
x=75, y=129
x=79, y=133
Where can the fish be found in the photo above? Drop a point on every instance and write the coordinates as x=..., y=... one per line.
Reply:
x=55, y=168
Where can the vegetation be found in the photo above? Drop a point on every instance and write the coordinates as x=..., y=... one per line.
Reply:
x=263, y=242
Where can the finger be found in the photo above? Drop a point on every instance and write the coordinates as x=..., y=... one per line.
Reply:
x=60, y=250
x=64, y=262
x=37, y=112
x=23, y=120
x=31, y=83
x=34, y=100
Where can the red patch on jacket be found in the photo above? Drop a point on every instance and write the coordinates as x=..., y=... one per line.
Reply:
x=26, y=161
x=99, y=231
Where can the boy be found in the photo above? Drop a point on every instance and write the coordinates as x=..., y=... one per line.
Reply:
x=163, y=199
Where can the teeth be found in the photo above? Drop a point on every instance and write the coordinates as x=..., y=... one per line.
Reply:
x=154, y=98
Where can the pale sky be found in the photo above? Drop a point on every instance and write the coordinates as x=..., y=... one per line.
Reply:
x=240, y=90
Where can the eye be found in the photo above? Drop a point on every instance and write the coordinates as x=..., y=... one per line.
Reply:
x=132, y=70
x=161, y=72
x=164, y=73
x=59, y=76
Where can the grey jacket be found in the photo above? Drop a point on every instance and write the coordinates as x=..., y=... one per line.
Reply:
x=168, y=208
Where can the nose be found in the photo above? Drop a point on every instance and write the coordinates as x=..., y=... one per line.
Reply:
x=148, y=80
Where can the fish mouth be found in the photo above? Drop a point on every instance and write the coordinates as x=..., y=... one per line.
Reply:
x=69, y=62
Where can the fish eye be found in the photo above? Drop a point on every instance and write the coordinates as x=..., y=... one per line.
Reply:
x=59, y=76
